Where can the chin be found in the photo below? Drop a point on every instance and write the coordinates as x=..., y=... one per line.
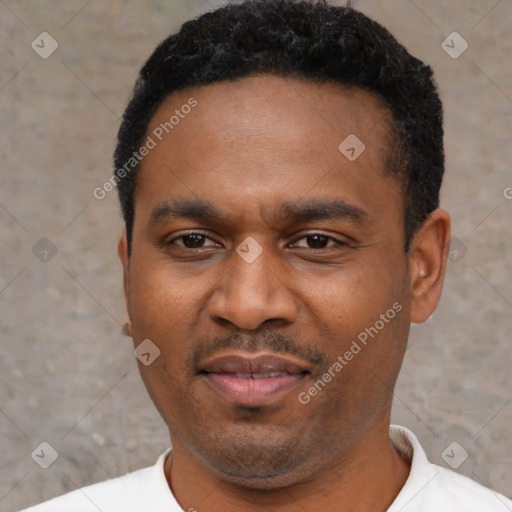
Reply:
x=259, y=466
x=260, y=482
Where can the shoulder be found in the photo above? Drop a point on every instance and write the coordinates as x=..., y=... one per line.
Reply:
x=451, y=491
x=459, y=485
x=431, y=487
x=127, y=493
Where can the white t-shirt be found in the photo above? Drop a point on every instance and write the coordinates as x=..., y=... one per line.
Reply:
x=429, y=488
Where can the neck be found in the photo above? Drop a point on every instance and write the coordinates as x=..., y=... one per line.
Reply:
x=368, y=478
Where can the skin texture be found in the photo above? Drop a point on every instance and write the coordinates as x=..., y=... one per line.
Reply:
x=247, y=147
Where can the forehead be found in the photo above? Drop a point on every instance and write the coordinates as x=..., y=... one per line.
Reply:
x=265, y=138
x=270, y=105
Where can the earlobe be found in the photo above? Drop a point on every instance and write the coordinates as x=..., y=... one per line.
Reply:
x=427, y=264
x=127, y=328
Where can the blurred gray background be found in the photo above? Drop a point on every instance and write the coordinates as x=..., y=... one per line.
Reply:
x=68, y=376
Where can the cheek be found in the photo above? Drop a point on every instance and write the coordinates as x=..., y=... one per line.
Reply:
x=361, y=317
x=157, y=298
x=352, y=298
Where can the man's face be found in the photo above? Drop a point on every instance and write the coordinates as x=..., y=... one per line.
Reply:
x=252, y=288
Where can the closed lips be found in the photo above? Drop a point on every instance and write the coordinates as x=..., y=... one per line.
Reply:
x=253, y=380
x=260, y=375
x=257, y=367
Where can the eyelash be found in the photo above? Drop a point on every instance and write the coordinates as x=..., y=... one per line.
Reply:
x=330, y=238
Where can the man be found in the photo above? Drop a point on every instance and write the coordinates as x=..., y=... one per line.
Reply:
x=279, y=168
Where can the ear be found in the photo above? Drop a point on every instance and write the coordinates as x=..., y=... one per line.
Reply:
x=122, y=251
x=428, y=255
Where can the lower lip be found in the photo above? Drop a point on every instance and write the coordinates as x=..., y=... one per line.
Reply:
x=252, y=392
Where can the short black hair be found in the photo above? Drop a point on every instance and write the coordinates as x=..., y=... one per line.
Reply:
x=309, y=39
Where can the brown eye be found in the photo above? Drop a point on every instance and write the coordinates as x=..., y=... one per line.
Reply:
x=318, y=241
x=192, y=241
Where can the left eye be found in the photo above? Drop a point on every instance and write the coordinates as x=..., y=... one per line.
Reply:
x=319, y=241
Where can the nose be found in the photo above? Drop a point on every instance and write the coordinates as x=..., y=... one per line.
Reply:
x=250, y=294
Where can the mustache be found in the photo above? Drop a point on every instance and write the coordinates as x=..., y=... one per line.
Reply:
x=270, y=341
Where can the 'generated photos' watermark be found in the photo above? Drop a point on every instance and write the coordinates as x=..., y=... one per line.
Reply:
x=150, y=143
x=355, y=348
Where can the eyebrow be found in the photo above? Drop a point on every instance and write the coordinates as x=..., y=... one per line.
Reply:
x=311, y=209
x=322, y=209
x=182, y=208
